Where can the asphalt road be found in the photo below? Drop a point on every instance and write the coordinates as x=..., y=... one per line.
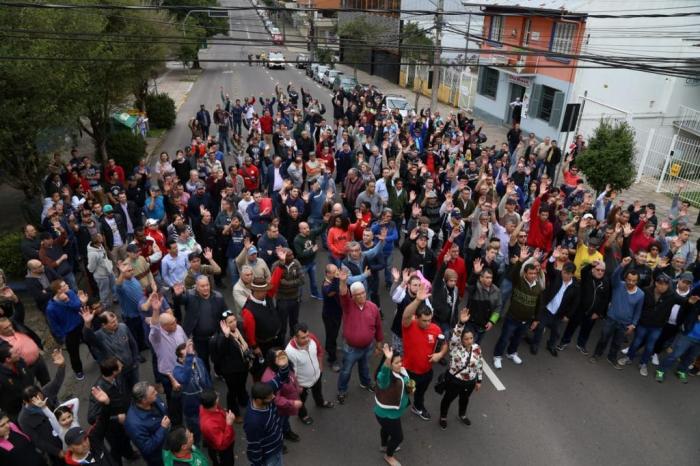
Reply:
x=553, y=411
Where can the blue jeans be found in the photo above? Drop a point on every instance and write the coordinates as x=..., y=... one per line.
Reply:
x=352, y=356
x=274, y=460
x=310, y=269
x=612, y=330
x=646, y=336
x=506, y=290
x=512, y=332
x=388, y=279
x=224, y=142
x=685, y=349
x=233, y=271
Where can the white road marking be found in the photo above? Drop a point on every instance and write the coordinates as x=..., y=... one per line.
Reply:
x=498, y=385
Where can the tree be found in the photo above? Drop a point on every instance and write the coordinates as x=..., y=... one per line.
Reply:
x=39, y=99
x=357, y=37
x=415, y=43
x=609, y=158
x=323, y=56
x=118, y=69
x=197, y=27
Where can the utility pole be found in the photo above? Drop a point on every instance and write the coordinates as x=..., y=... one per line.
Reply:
x=437, y=69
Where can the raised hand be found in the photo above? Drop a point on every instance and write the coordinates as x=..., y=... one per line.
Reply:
x=382, y=233
x=395, y=274
x=464, y=315
x=526, y=216
x=178, y=288
x=99, y=395
x=524, y=254
x=57, y=358
x=281, y=253
x=225, y=329
x=388, y=352
x=208, y=254
x=626, y=261
x=406, y=273
x=87, y=314
x=230, y=417
x=342, y=274
x=477, y=265
x=423, y=293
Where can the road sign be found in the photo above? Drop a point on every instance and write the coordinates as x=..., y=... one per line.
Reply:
x=675, y=169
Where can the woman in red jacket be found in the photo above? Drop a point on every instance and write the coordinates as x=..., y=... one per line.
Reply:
x=339, y=234
x=217, y=429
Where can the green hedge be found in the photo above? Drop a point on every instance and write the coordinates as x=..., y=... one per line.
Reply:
x=160, y=109
x=126, y=149
x=11, y=261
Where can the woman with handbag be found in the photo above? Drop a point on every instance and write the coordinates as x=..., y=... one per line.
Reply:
x=464, y=373
x=391, y=397
x=232, y=360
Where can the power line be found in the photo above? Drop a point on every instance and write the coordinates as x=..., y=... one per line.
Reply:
x=563, y=14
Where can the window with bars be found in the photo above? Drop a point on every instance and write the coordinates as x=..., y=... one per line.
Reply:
x=563, y=37
x=496, y=29
x=488, y=82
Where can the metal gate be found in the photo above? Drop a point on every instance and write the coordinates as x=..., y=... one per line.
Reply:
x=668, y=161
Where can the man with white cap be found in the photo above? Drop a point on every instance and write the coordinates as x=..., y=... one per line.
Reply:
x=249, y=256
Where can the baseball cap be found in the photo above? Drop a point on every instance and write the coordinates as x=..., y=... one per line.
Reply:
x=132, y=248
x=252, y=250
x=107, y=208
x=75, y=436
x=587, y=216
x=456, y=213
x=662, y=277
x=687, y=277
x=422, y=235
x=151, y=222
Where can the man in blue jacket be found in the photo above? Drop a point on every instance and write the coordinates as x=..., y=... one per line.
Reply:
x=65, y=323
x=147, y=423
x=193, y=377
x=623, y=315
x=392, y=236
x=262, y=422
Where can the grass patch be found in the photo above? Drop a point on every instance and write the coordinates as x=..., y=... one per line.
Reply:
x=156, y=132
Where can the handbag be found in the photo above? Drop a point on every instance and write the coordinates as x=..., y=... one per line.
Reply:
x=441, y=384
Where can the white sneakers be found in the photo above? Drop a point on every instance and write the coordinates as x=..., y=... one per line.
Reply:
x=498, y=360
x=655, y=359
x=643, y=370
x=515, y=358
x=623, y=361
x=625, y=350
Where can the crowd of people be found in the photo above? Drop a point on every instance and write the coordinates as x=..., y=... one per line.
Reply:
x=465, y=237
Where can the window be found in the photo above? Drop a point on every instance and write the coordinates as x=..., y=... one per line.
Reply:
x=488, y=82
x=496, y=29
x=526, y=31
x=546, y=104
x=563, y=37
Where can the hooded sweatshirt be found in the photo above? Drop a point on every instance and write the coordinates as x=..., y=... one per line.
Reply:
x=196, y=458
x=98, y=264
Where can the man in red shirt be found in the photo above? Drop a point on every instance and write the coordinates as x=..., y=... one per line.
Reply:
x=251, y=175
x=541, y=232
x=455, y=262
x=217, y=429
x=266, y=124
x=422, y=347
x=362, y=327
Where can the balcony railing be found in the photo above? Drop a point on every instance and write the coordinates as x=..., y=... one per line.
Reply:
x=688, y=120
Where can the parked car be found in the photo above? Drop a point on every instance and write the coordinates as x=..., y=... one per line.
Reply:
x=268, y=24
x=329, y=76
x=275, y=30
x=346, y=83
x=320, y=71
x=311, y=70
x=275, y=60
x=302, y=61
x=398, y=102
x=277, y=39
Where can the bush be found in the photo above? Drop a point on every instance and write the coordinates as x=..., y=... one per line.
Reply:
x=609, y=158
x=160, y=109
x=11, y=261
x=126, y=149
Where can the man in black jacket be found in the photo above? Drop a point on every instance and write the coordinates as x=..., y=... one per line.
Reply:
x=113, y=414
x=418, y=256
x=593, y=305
x=114, y=231
x=484, y=300
x=204, y=308
x=559, y=300
x=659, y=299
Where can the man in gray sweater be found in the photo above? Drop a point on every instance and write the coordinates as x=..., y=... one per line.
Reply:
x=112, y=339
x=370, y=196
